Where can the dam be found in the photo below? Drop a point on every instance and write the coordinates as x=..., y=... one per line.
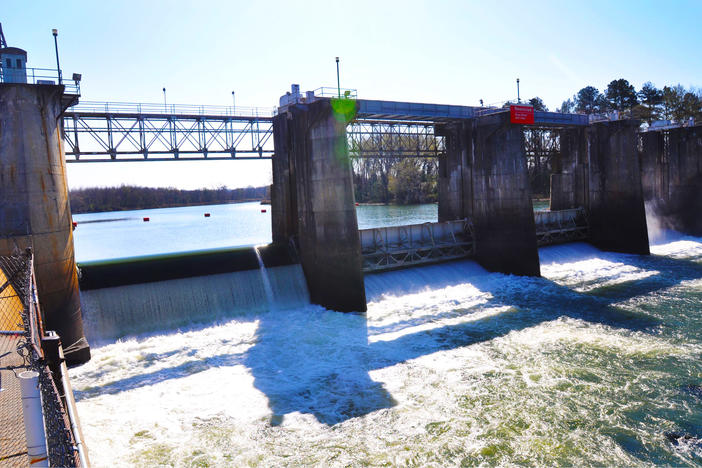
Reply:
x=491, y=332
x=599, y=187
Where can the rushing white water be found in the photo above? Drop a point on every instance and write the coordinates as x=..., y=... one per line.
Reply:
x=111, y=313
x=264, y=277
x=596, y=363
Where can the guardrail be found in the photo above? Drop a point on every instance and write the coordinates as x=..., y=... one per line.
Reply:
x=170, y=109
x=38, y=76
x=328, y=91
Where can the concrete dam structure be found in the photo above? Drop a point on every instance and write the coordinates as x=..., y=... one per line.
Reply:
x=597, y=194
x=671, y=173
x=601, y=179
x=34, y=207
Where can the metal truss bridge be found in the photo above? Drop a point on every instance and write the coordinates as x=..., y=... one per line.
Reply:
x=100, y=131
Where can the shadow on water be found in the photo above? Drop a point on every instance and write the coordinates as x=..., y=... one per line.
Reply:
x=313, y=361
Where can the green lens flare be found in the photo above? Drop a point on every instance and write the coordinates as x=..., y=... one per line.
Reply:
x=344, y=109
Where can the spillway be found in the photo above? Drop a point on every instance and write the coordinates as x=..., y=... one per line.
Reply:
x=165, y=292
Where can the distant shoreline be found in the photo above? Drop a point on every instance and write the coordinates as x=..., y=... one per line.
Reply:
x=180, y=205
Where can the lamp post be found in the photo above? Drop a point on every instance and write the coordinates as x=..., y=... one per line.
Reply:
x=58, y=65
x=165, y=106
x=518, y=99
x=338, y=83
x=233, y=102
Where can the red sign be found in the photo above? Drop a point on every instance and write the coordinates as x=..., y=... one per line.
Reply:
x=521, y=114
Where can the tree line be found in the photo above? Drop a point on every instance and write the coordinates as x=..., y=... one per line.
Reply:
x=649, y=103
x=402, y=181
x=130, y=197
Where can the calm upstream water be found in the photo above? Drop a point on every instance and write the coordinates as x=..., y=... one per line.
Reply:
x=120, y=234
x=598, y=362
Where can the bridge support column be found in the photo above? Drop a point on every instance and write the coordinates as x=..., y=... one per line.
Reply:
x=313, y=201
x=671, y=175
x=569, y=180
x=34, y=205
x=455, y=171
x=503, y=214
x=616, y=207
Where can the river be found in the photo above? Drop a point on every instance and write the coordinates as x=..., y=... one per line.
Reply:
x=595, y=363
x=121, y=234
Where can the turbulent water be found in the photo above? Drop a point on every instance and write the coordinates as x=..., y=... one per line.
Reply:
x=596, y=363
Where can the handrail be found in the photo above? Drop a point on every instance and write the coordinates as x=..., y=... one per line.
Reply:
x=328, y=91
x=38, y=76
x=171, y=109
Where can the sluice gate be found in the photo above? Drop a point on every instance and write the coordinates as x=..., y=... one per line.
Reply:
x=393, y=247
x=557, y=227
x=396, y=247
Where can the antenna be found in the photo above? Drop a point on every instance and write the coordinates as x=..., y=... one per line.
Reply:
x=3, y=42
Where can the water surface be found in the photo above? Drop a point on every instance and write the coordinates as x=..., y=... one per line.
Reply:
x=597, y=363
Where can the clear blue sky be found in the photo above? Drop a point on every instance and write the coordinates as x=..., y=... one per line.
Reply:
x=454, y=52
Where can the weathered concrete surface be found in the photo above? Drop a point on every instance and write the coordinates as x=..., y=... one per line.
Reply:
x=34, y=205
x=671, y=174
x=455, y=171
x=283, y=191
x=315, y=203
x=616, y=206
x=503, y=214
x=483, y=177
x=569, y=180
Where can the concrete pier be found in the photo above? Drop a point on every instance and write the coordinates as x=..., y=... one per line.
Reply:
x=483, y=177
x=313, y=203
x=616, y=206
x=34, y=205
x=503, y=214
x=671, y=174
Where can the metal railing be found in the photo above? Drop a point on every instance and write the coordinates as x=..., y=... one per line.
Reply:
x=38, y=76
x=331, y=92
x=141, y=108
x=20, y=350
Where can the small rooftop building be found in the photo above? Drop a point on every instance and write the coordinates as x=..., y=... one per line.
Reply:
x=13, y=65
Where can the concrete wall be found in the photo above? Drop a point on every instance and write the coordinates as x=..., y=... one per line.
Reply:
x=34, y=205
x=616, y=206
x=315, y=203
x=671, y=175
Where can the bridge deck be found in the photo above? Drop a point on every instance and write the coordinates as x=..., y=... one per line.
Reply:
x=411, y=111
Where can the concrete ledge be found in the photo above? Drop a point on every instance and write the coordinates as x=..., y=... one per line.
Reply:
x=152, y=268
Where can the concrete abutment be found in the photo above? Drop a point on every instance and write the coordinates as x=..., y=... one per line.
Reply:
x=34, y=205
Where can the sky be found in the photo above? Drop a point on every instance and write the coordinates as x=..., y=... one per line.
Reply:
x=447, y=52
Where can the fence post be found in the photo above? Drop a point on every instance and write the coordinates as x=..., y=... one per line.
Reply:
x=33, y=419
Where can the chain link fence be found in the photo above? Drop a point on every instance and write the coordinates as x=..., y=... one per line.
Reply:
x=20, y=350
